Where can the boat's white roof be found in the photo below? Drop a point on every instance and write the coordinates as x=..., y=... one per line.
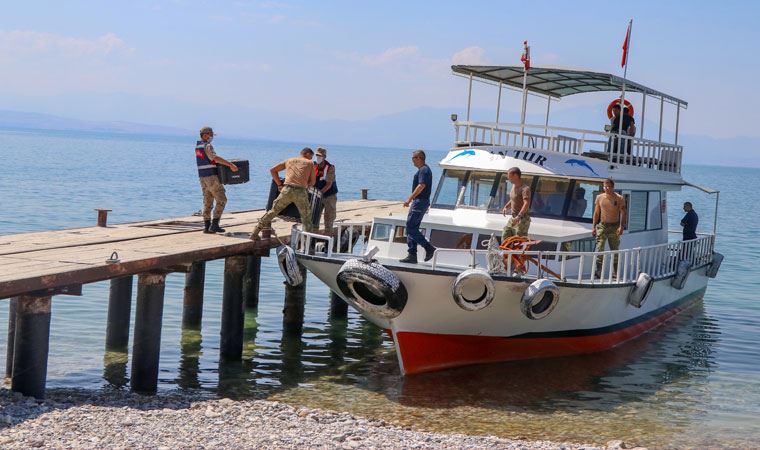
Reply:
x=559, y=82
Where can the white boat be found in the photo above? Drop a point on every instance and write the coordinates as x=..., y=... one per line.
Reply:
x=464, y=307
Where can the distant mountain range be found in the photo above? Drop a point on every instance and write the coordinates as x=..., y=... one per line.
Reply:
x=428, y=128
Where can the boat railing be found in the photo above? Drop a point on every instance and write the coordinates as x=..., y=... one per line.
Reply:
x=346, y=238
x=611, y=147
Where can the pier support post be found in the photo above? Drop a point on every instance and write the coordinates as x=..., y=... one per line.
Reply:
x=192, y=302
x=31, y=343
x=11, y=337
x=119, y=312
x=231, y=343
x=338, y=306
x=295, y=298
x=146, y=346
x=364, y=192
x=251, y=281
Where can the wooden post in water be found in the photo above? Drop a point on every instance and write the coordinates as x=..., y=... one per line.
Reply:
x=146, y=346
x=338, y=306
x=31, y=343
x=192, y=302
x=295, y=298
x=119, y=312
x=102, y=216
x=11, y=337
x=231, y=343
x=251, y=281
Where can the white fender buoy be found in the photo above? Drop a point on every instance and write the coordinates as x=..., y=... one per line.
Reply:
x=682, y=274
x=640, y=290
x=539, y=299
x=473, y=277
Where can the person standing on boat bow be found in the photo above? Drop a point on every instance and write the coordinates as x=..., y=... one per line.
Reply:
x=607, y=223
x=328, y=187
x=518, y=203
x=213, y=190
x=418, y=203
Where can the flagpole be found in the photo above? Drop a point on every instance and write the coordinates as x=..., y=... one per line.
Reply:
x=622, y=93
x=526, y=64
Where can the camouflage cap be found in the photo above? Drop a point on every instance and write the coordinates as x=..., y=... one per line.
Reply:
x=207, y=129
x=321, y=151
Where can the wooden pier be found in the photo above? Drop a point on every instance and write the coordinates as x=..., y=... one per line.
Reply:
x=36, y=266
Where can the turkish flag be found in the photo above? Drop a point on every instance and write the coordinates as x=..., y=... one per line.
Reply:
x=525, y=58
x=624, y=61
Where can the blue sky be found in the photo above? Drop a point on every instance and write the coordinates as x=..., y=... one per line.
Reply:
x=181, y=62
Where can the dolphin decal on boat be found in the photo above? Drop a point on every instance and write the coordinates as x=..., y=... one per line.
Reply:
x=463, y=153
x=579, y=162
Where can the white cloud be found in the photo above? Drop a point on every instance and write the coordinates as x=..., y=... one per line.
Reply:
x=470, y=56
x=33, y=43
x=391, y=55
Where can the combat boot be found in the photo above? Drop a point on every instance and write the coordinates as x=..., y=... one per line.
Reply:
x=411, y=258
x=206, y=226
x=215, y=228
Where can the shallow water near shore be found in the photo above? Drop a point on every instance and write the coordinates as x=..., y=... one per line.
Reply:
x=694, y=382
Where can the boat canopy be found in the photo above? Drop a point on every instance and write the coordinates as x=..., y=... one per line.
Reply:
x=559, y=82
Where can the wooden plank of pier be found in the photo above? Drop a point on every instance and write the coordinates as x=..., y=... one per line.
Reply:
x=31, y=262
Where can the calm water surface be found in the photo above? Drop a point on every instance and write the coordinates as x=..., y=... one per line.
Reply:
x=694, y=382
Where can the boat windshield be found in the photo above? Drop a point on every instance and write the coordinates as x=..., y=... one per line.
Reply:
x=553, y=197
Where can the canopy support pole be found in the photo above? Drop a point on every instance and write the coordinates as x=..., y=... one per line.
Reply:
x=715, y=219
x=546, y=122
x=662, y=105
x=643, y=110
x=469, y=100
x=524, y=105
x=498, y=103
x=678, y=116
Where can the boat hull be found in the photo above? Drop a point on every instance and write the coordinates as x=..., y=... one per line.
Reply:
x=433, y=333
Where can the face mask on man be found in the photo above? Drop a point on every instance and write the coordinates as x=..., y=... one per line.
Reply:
x=210, y=138
x=320, y=159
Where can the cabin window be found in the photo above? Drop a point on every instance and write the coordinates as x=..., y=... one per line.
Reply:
x=479, y=187
x=655, y=213
x=449, y=187
x=582, y=197
x=450, y=239
x=549, y=197
x=637, y=210
x=579, y=245
x=399, y=236
x=381, y=231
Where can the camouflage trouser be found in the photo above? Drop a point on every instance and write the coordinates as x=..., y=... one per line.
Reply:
x=288, y=195
x=212, y=190
x=606, y=232
x=521, y=229
x=331, y=204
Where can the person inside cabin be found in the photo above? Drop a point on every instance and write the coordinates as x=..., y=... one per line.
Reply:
x=578, y=203
x=628, y=128
x=689, y=222
x=607, y=223
x=518, y=204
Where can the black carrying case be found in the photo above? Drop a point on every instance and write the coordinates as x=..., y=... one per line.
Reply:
x=227, y=176
x=291, y=212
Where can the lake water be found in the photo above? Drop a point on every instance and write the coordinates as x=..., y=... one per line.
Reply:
x=694, y=382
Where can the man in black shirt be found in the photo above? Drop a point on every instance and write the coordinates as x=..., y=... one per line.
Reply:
x=418, y=203
x=689, y=222
x=629, y=127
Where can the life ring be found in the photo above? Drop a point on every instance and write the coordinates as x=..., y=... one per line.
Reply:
x=682, y=274
x=477, y=278
x=712, y=270
x=372, y=288
x=286, y=259
x=539, y=299
x=626, y=104
x=640, y=291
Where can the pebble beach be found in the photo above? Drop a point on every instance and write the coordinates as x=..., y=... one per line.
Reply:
x=120, y=420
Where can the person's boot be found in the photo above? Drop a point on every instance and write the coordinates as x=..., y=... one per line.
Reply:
x=255, y=233
x=215, y=228
x=429, y=252
x=206, y=226
x=411, y=258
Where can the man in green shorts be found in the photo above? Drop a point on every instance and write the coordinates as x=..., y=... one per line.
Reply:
x=519, y=203
x=607, y=223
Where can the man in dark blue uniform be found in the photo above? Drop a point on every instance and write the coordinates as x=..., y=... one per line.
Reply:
x=689, y=222
x=418, y=203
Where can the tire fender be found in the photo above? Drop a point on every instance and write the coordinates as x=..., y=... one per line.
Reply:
x=640, y=290
x=286, y=259
x=539, y=299
x=469, y=277
x=372, y=288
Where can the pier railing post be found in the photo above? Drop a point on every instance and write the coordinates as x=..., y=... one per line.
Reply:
x=293, y=310
x=31, y=344
x=338, y=306
x=11, y=337
x=192, y=302
x=119, y=312
x=146, y=346
x=231, y=342
x=251, y=281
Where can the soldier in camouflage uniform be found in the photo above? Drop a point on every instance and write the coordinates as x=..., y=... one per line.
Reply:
x=207, y=160
x=518, y=204
x=607, y=223
x=299, y=176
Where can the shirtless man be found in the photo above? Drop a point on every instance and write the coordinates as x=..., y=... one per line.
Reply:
x=607, y=223
x=519, y=203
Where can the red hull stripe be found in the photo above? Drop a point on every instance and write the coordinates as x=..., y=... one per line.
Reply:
x=426, y=352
